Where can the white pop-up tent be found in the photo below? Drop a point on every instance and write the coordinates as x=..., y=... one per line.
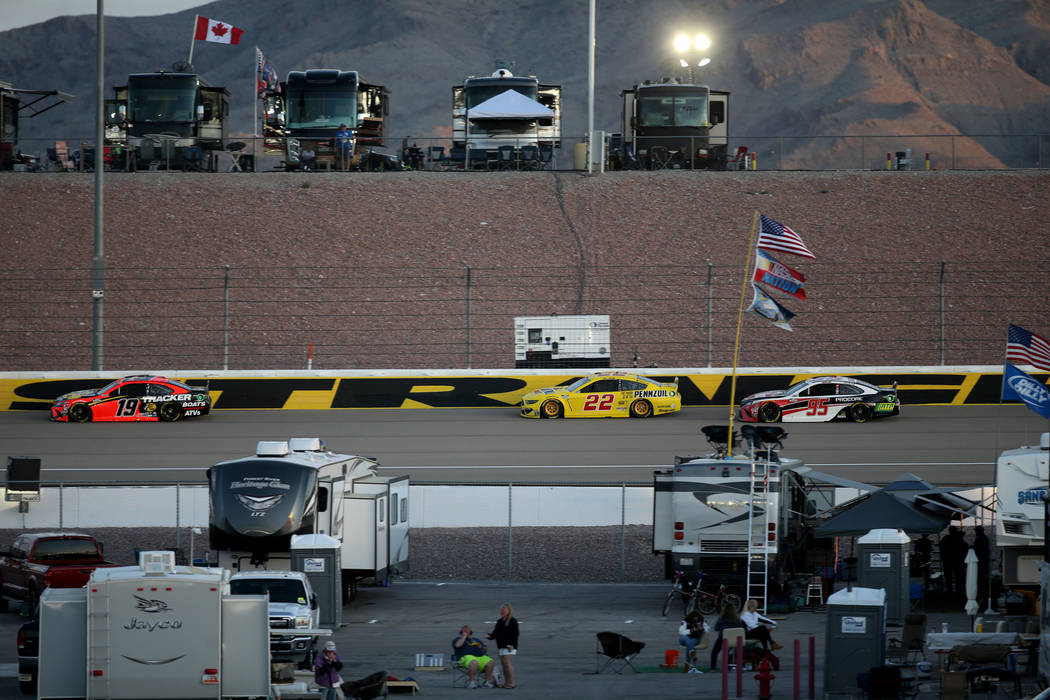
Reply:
x=510, y=104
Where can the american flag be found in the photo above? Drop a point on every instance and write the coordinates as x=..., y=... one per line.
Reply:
x=777, y=236
x=1024, y=348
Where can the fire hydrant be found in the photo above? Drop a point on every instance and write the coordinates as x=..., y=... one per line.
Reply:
x=764, y=677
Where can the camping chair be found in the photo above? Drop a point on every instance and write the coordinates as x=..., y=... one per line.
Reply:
x=546, y=157
x=659, y=158
x=372, y=686
x=986, y=664
x=729, y=636
x=436, y=156
x=887, y=683
x=530, y=157
x=739, y=160
x=618, y=651
x=913, y=639
x=505, y=158
x=62, y=155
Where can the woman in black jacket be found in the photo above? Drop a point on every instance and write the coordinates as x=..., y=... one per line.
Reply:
x=506, y=635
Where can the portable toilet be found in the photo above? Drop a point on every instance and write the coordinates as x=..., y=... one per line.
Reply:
x=883, y=556
x=318, y=556
x=855, y=637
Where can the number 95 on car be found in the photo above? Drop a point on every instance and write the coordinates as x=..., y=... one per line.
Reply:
x=603, y=395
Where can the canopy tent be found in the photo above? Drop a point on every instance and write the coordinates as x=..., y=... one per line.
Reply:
x=880, y=510
x=510, y=104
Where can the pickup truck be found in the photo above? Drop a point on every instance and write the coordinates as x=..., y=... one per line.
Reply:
x=28, y=655
x=294, y=612
x=41, y=559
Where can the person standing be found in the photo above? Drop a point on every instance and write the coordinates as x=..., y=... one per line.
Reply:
x=343, y=140
x=506, y=635
x=326, y=672
x=951, y=552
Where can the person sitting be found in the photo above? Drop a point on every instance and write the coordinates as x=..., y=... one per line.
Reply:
x=727, y=620
x=754, y=627
x=469, y=653
x=690, y=632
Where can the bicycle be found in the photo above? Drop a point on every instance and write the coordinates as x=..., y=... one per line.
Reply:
x=694, y=598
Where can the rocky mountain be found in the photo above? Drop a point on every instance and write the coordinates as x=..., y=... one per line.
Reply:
x=795, y=67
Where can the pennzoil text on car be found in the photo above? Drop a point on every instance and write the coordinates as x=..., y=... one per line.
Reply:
x=822, y=399
x=603, y=395
x=135, y=398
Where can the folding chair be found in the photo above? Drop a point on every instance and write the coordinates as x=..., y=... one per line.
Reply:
x=530, y=157
x=367, y=688
x=659, y=158
x=913, y=639
x=618, y=651
x=460, y=675
x=505, y=158
x=436, y=155
x=546, y=157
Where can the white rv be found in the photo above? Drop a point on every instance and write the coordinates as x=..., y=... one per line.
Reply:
x=1020, y=486
x=503, y=109
x=300, y=488
x=561, y=341
x=151, y=631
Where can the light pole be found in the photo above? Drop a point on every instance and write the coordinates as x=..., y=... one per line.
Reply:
x=689, y=47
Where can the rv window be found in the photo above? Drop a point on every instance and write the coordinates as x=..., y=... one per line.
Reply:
x=404, y=510
x=535, y=335
x=322, y=499
x=393, y=509
x=382, y=510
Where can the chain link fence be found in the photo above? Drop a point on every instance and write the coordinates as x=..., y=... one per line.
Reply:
x=262, y=318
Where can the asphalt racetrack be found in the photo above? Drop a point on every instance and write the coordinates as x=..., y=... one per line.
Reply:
x=946, y=445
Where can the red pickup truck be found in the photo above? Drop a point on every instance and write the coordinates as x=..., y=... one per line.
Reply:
x=41, y=559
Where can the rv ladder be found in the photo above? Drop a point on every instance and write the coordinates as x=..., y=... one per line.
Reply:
x=98, y=641
x=759, y=517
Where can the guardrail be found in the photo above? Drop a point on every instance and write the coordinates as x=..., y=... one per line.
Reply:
x=765, y=152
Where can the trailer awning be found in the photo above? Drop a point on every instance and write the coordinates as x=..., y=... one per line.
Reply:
x=510, y=105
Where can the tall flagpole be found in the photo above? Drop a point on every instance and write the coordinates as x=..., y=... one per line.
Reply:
x=255, y=99
x=193, y=40
x=739, y=322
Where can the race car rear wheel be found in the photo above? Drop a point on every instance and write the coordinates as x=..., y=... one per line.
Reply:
x=551, y=409
x=860, y=412
x=79, y=413
x=169, y=412
x=769, y=413
x=641, y=409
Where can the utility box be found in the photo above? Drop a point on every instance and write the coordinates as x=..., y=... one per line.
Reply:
x=317, y=556
x=561, y=341
x=855, y=637
x=883, y=556
x=62, y=609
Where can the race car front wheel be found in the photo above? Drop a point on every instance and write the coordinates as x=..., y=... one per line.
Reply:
x=169, y=412
x=551, y=409
x=641, y=409
x=860, y=412
x=769, y=413
x=79, y=413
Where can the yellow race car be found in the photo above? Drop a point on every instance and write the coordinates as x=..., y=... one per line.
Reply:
x=603, y=395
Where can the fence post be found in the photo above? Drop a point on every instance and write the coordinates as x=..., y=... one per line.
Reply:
x=177, y=526
x=510, y=529
x=623, y=530
x=468, y=315
x=226, y=319
x=61, y=505
x=941, y=304
x=709, y=316
x=812, y=672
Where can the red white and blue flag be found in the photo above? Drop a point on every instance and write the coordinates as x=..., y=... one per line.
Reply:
x=773, y=235
x=776, y=275
x=265, y=74
x=1025, y=348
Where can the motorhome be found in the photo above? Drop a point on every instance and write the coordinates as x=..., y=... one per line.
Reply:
x=298, y=487
x=1020, y=487
x=675, y=125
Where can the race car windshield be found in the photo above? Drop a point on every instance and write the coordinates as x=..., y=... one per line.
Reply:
x=577, y=384
x=106, y=389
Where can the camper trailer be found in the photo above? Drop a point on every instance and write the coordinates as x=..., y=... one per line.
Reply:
x=153, y=630
x=561, y=341
x=1020, y=487
x=298, y=487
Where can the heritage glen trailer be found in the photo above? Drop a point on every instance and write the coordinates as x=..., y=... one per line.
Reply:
x=304, y=113
x=687, y=125
x=532, y=117
x=299, y=488
x=1020, y=487
x=169, y=119
x=561, y=341
x=153, y=630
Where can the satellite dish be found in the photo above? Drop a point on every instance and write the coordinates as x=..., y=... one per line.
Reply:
x=182, y=67
x=502, y=73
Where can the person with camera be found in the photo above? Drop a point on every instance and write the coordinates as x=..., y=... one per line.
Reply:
x=326, y=672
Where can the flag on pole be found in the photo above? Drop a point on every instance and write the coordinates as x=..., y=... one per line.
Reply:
x=1024, y=348
x=773, y=235
x=265, y=74
x=1018, y=386
x=765, y=306
x=219, y=32
x=776, y=275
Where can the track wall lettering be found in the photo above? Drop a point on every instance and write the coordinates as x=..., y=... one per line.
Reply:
x=394, y=389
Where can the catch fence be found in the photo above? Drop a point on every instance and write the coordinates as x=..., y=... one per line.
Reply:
x=256, y=318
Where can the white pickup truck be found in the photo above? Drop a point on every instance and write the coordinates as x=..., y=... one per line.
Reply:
x=293, y=606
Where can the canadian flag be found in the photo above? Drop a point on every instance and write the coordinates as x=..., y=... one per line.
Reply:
x=219, y=32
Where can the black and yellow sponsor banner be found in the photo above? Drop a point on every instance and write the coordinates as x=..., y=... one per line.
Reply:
x=938, y=386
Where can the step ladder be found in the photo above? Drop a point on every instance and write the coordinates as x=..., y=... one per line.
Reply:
x=758, y=519
x=99, y=647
